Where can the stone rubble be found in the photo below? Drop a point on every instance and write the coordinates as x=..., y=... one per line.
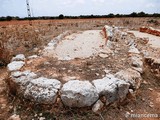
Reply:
x=97, y=106
x=33, y=56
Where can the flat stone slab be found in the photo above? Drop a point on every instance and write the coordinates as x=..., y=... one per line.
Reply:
x=77, y=93
x=15, y=65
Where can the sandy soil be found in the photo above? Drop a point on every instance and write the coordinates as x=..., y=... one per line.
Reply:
x=81, y=45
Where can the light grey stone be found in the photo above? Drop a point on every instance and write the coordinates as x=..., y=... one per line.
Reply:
x=15, y=65
x=133, y=50
x=43, y=90
x=112, y=88
x=97, y=106
x=131, y=76
x=140, y=70
x=19, y=81
x=33, y=57
x=137, y=61
x=19, y=57
x=77, y=93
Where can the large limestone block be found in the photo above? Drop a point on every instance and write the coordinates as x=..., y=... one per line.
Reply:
x=77, y=93
x=43, y=90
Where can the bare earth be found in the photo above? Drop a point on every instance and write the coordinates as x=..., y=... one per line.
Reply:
x=146, y=101
x=81, y=45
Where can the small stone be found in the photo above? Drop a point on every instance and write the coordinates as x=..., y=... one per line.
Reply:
x=133, y=50
x=97, y=106
x=151, y=104
x=33, y=57
x=97, y=74
x=10, y=107
x=42, y=118
x=47, y=63
x=103, y=55
x=127, y=114
x=63, y=68
x=14, y=117
x=40, y=114
x=3, y=106
x=19, y=57
x=144, y=82
x=143, y=99
x=15, y=65
x=131, y=93
x=106, y=71
x=140, y=70
x=151, y=89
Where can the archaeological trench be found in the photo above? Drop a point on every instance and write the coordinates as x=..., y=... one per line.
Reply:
x=45, y=79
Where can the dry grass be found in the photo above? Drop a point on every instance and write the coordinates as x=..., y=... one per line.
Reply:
x=19, y=37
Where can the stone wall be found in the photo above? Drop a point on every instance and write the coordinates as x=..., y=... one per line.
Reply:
x=150, y=30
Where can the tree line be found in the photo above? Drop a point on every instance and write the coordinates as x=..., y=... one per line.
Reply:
x=61, y=16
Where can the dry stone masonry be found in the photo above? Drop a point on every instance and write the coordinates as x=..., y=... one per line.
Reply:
x=79, y=93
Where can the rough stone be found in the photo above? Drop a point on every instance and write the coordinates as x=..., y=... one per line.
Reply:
x=18, y=76
x=137, y=61
x=77, y=93
x=133, y=50
x=15, y=65
x=33, y=57
x=131, y=76
x=19, y=57
x=112, y=88
x=140, y=70
x=103, y=55
x=106, y=50
x=97, y=106
x=43, y=90
x=14, y=117
x=19, y=80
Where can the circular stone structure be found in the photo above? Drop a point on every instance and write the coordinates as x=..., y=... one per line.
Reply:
x=79, y=69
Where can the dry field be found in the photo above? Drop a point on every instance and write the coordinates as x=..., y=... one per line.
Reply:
x=20, y=37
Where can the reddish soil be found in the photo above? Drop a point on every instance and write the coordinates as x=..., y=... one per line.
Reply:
x=146, y=101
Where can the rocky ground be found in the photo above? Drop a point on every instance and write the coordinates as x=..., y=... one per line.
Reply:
x=146, y=99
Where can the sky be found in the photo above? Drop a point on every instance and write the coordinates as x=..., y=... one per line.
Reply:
x=77, y=7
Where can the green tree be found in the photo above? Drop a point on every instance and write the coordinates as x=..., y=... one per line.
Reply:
x=61, y=16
